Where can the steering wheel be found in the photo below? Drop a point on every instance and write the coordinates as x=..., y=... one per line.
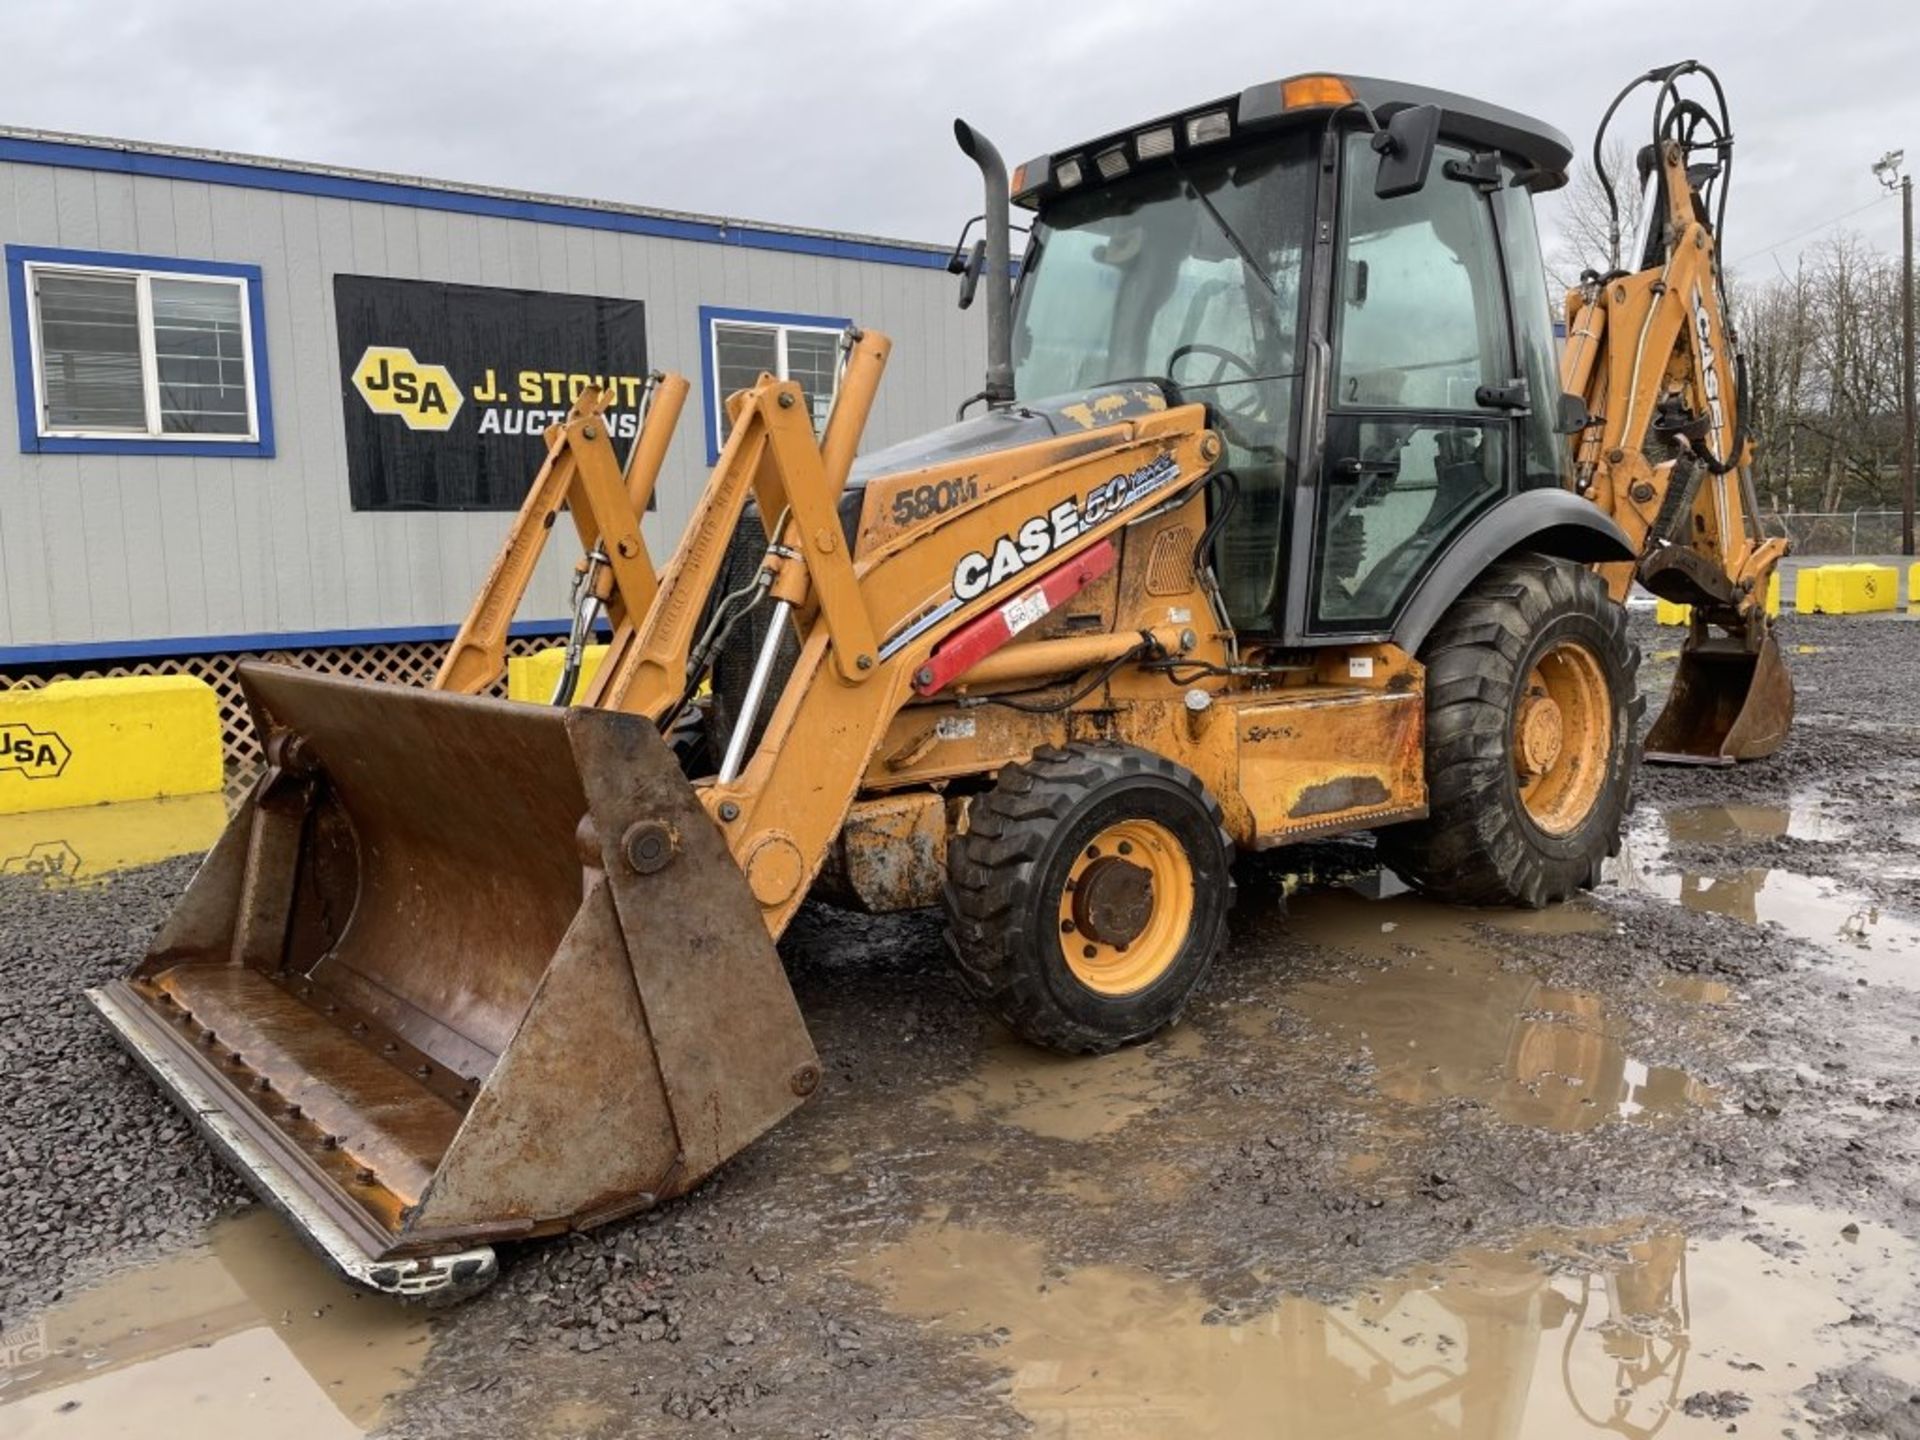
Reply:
x=1248, y=401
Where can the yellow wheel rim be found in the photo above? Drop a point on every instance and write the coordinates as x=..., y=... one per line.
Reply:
x=1126, y=907
x=1563, y=738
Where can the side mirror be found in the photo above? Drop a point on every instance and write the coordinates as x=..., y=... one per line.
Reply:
x=1406, y=151
x=975, y=262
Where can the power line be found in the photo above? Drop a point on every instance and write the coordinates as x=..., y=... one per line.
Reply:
x=1813, y=230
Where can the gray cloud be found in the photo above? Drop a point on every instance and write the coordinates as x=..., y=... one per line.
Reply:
x=838, y=115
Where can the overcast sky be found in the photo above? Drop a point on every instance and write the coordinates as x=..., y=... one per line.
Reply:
x=838, y=115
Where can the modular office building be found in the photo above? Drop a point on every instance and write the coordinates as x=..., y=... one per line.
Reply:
x=267, y=407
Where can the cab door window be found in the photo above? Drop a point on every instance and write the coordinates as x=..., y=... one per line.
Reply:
x=1546, y=459
x=1422, y=321
x=1413, y=451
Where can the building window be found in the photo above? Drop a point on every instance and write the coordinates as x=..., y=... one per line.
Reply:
x=138, y=354
x=738, y=346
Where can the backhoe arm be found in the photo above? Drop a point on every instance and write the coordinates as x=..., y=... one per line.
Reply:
x=1664, y=452
x=1650, y=355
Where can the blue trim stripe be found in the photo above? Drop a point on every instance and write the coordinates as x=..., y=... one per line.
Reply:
x=76, y=156
x=710, y=375
x=32, y=442
x=261, y=640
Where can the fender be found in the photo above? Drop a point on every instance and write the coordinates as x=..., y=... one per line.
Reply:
x=1550, y=522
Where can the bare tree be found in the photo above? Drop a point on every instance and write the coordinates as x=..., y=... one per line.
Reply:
x=1583, y=221
x=1823, y=400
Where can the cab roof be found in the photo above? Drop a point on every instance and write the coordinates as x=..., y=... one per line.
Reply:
x=1542, y=152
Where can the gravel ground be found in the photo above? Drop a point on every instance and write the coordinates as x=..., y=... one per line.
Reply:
x=94, y=1174
x=748, y=1308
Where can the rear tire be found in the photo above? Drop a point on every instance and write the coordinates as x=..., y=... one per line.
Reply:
x=1089, y=895
x=1532, y=707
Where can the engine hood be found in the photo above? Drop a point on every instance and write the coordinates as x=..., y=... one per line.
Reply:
x=1022, y=423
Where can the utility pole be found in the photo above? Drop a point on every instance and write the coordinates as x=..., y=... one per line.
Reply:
x=1887, y=168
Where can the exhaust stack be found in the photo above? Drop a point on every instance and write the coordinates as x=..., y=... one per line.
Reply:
x=993, y=174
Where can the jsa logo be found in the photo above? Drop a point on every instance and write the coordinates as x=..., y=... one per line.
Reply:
x=392, y=382
x=36, y=754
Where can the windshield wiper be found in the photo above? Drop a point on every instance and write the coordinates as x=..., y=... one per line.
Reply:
x=1233, y=239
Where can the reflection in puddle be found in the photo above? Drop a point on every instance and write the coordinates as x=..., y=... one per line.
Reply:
x=1490, y=1344
x=92, y=842
x=252, y=1335
x=1695, y=989
x=1848, y=927
x=1730, y=824
x=1070, y=1097
x=1442, y=1018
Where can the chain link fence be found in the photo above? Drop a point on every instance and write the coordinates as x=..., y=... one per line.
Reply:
x=1836, y=532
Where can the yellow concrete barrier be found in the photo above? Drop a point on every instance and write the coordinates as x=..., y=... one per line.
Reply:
x=93, y=841
x=1806, y=590
x=1861, y=588
x=1666, y=612
x=1913, y=586
x=82, y=742
x=533, y=677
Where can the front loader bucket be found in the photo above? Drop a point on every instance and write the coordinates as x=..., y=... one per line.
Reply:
x=1729, y=703
x=463, y=970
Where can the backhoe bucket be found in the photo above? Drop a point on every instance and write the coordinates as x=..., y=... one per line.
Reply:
x=1729, y=702
x=463, y=970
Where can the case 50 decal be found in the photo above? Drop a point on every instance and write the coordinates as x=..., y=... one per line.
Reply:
x=1040, y=535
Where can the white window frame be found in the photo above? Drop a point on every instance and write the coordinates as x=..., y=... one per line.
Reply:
x=781, y=330
x=149, y=364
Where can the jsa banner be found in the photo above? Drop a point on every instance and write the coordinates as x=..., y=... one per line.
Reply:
x=447, y=388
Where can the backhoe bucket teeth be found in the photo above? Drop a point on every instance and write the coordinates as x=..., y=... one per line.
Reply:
x=463, y=970
x=1729, y=702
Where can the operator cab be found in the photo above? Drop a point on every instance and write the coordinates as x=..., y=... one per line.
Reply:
x=1366, y=319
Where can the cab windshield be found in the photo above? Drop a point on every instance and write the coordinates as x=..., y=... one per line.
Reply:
x=1145, y=279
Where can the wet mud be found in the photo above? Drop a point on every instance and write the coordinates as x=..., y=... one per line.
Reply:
x=243, y=1334
x=1644, y=1163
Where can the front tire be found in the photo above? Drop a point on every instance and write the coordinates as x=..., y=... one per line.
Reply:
x=1089, y=895
x=1532, y=705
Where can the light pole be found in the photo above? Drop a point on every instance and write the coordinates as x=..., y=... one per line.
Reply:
x=1887, y=170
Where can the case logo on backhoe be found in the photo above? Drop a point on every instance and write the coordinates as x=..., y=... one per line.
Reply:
x=425, y=396
x=1709, y=358
x=36, y=754
x=1040, y=535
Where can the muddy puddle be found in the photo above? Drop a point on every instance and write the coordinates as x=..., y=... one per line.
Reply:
x=1437, y=1015
x=1808, y=819
x=249, y=1334
x=1427, y=1003
x=1070, y=1097
x=1563, y=1334
x=1845, y=927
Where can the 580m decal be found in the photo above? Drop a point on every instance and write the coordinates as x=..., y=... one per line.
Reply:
x=1038, y=537
x=935, y=499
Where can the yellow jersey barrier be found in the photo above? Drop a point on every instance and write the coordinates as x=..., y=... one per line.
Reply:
x=1861, y=588
x=85, y=742
x=534, y=677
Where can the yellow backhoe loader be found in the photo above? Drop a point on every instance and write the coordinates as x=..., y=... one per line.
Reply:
x=1282, y=515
